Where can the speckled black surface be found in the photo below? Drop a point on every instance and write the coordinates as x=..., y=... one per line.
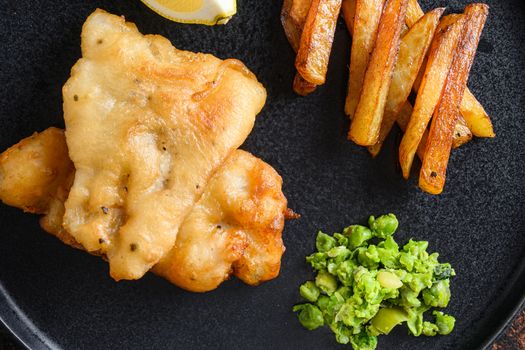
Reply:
x=55, y=296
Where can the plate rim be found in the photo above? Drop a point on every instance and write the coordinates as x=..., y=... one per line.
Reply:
x=12, y=319
x=27, y=335
x=511, y=300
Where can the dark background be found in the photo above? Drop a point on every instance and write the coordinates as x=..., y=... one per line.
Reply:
x=61, y=296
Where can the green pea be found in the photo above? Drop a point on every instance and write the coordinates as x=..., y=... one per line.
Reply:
x=389, y=280
x=386, y=319
x=358, y=235
x=438, y=295
x=340, y=251
x=445, y=323
x=309, y=315
x=429, y=329
x=415, y=319
x=326, y=282
x=341, y=239
x=363, y=341
x=309, y=291
x=383, y=226
x=317, y=260
x=324, y=242
x=322, y=302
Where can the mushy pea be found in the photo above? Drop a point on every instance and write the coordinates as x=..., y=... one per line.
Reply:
x=366, y=285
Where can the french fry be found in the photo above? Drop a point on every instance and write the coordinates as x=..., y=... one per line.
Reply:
x=404, y=116
x=402, y=121
x=439, y=60
x=364, y=129
x=365, y=26
x=445, y=22
x=348, y=10
x=473, y=112
x=482, y=125
x=462, y=133
x=437, y=151
x=475, y=116
x=471, y=109
x=301, y=86
x=390, y=118
x=316, y=40
x=293, y=16
x=414, y=13
x=413, y=49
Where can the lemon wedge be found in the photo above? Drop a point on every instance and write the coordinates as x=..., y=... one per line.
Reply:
x=209, y=12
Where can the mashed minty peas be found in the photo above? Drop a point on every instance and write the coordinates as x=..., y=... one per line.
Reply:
x=366, y=285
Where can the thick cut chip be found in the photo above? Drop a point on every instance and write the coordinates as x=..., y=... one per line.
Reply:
x=365, y=26
x=293, y=16
x=462, y=133
x=146, y=127
x=366, y=123
x=439, y=60
x=316, y=40
x=476, y=117
x=414, y=13
x=413, y=48
x=479, y=120
x=471, y=109
x=301, y=86
x=437, y=151
x=461, y=136
x=348, y=8
x=402, y=121
x=236, y=226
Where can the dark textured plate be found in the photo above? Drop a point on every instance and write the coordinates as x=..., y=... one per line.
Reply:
x=52, y=296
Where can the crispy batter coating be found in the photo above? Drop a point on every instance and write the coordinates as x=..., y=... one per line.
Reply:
x=147, y=125
x=36, y=171
x=235, y=227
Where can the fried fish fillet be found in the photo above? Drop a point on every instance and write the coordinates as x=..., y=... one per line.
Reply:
x=147, y=125
x=36, y=171
x=236, y=226
x=36, y=175
x=237, y=223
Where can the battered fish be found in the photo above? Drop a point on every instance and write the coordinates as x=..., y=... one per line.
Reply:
x=237, y=224
x=147, y=125
x=36, y=171
x=235, y=227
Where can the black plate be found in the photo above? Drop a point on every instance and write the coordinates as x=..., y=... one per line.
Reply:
x=53, y=296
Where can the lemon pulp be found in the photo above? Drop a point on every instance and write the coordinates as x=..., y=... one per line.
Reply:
x=208, y=12
x=182, y=5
